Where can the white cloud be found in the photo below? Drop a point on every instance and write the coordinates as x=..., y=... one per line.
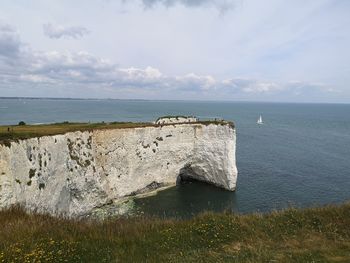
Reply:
x=59, y=31
x=252, y=86
x=148, y=73
x=195, y=82
x=35, y=78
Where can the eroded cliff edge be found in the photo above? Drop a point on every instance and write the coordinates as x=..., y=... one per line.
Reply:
x=77, y=172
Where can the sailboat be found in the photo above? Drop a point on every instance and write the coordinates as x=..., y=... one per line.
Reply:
x=260, y=120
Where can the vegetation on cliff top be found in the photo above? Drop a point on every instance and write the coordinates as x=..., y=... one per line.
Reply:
x=311, y=235
x=19, y=132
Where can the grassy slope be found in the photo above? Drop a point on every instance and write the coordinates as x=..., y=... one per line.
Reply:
x=312, y=235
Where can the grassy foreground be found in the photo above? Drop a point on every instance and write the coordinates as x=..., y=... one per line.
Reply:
x=311, y=235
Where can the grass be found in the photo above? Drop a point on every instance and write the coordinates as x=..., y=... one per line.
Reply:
x=311, y=235
x=20, y=132
x=30, y=131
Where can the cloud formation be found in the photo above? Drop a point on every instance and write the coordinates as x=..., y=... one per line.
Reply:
x=85, y=75
x=252, y=86
x=9, y=41
x=58, y=31
x=178, y=49
x=222, y=5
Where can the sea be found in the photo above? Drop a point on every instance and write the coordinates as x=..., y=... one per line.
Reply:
x=299, y=157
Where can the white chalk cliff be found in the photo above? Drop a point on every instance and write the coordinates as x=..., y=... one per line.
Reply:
x=175, y=119
x=77, y=172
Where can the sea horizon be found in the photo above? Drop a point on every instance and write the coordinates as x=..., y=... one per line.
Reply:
x=175, y=100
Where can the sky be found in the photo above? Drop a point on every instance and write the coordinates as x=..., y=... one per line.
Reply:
x=232, y=50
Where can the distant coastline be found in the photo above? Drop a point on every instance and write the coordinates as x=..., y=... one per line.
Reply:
x=175, y=100
x=53, y=98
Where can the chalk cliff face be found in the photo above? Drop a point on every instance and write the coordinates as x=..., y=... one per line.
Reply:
x=77, y=172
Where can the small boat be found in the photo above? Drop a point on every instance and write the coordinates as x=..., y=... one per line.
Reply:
x=260, y=120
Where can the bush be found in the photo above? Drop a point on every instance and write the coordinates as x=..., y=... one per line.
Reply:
x=21, y=123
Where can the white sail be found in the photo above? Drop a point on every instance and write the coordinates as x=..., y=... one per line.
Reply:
x=260, y=120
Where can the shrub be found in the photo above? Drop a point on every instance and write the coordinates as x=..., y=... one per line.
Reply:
x=21, y=123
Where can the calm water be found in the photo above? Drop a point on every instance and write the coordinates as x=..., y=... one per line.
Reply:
x=300, y=156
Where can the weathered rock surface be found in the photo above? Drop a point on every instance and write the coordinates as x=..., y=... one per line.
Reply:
x=176, y=119
x=78, y=172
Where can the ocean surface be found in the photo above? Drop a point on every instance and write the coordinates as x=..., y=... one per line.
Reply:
x=299, y=157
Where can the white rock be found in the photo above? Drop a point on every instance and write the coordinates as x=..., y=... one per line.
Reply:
x=176, y=119
x=77, y=172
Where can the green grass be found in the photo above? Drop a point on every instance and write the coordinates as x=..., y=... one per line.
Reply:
x=20, y=132
x=30, y=131
x=311, y=235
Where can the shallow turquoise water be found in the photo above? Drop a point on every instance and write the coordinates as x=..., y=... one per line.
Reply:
x=300, y=156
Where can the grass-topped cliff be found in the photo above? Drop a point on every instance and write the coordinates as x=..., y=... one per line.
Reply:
x=311, y=235
x=17, y=132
